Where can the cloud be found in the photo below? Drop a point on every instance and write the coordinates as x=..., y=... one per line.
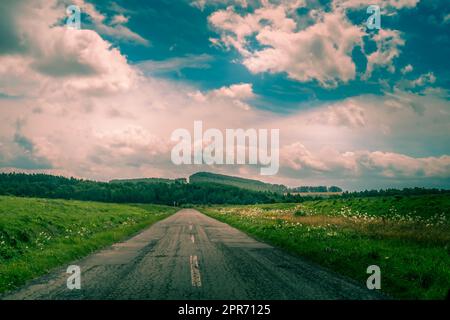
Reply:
x=297, y=157
x=236, y=94
x=10, y=40
x=129, y=146
x=362, y=163
x=202, y=4
x=390, y=4
x=424, y=84
x=115, y=28
x=348, y=114
x=424, y=79
x=388, y=43
x=16, y=75
x=344, y=140
x=190, y=61
x=236, y=91
x=81, y=58
x=22, y=152
x=320, y=52
x=271, y=39
x=406, y=69
x=119, y=19
x=394, y=165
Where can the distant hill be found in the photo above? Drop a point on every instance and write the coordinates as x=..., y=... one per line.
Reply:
x=248, y=184
x=150, y=180
x=256, y=185
x=243, y=183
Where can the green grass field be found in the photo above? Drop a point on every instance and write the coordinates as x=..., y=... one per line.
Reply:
x=37, y=235
x=407, y=237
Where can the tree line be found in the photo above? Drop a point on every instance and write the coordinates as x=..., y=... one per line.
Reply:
x=394, y=192
x=177, y=193
x=313, y=189
x=49, y=186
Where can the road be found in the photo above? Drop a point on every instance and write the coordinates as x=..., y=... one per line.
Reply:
x=192, y=256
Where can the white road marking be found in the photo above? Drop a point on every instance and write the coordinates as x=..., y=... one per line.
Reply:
x=192, y=238
x=195, y=272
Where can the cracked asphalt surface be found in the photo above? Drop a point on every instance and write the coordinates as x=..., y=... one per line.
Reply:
x=192, y=256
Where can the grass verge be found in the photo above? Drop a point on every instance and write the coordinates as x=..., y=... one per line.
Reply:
x=37, y=235
x=407, y=238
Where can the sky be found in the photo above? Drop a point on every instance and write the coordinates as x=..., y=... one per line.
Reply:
x=356, y=107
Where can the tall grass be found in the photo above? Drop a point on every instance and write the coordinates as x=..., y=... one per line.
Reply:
x=39, y=234
x=409, y=238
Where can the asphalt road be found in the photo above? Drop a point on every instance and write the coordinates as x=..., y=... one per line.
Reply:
x=192, y=256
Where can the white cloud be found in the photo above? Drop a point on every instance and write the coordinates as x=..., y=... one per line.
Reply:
x=348, y=114
x=388, y=43
x=424, y=79
x=297, y=157
x=115, y=29
x=16, y=77
x=201, y=4
x=407, y=69
x=320, y=52
x=129, y=146
x=393, y=164
x=201, y=61
x=424, y=84
x=85, y=54
x=395, y=4
x=119, y=19
x=235, y=94
x=362, y=163
x=81, y=59
x=342, y=140
x=235, y=91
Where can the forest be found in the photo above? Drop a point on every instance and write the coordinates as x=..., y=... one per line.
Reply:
x=177, y=193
